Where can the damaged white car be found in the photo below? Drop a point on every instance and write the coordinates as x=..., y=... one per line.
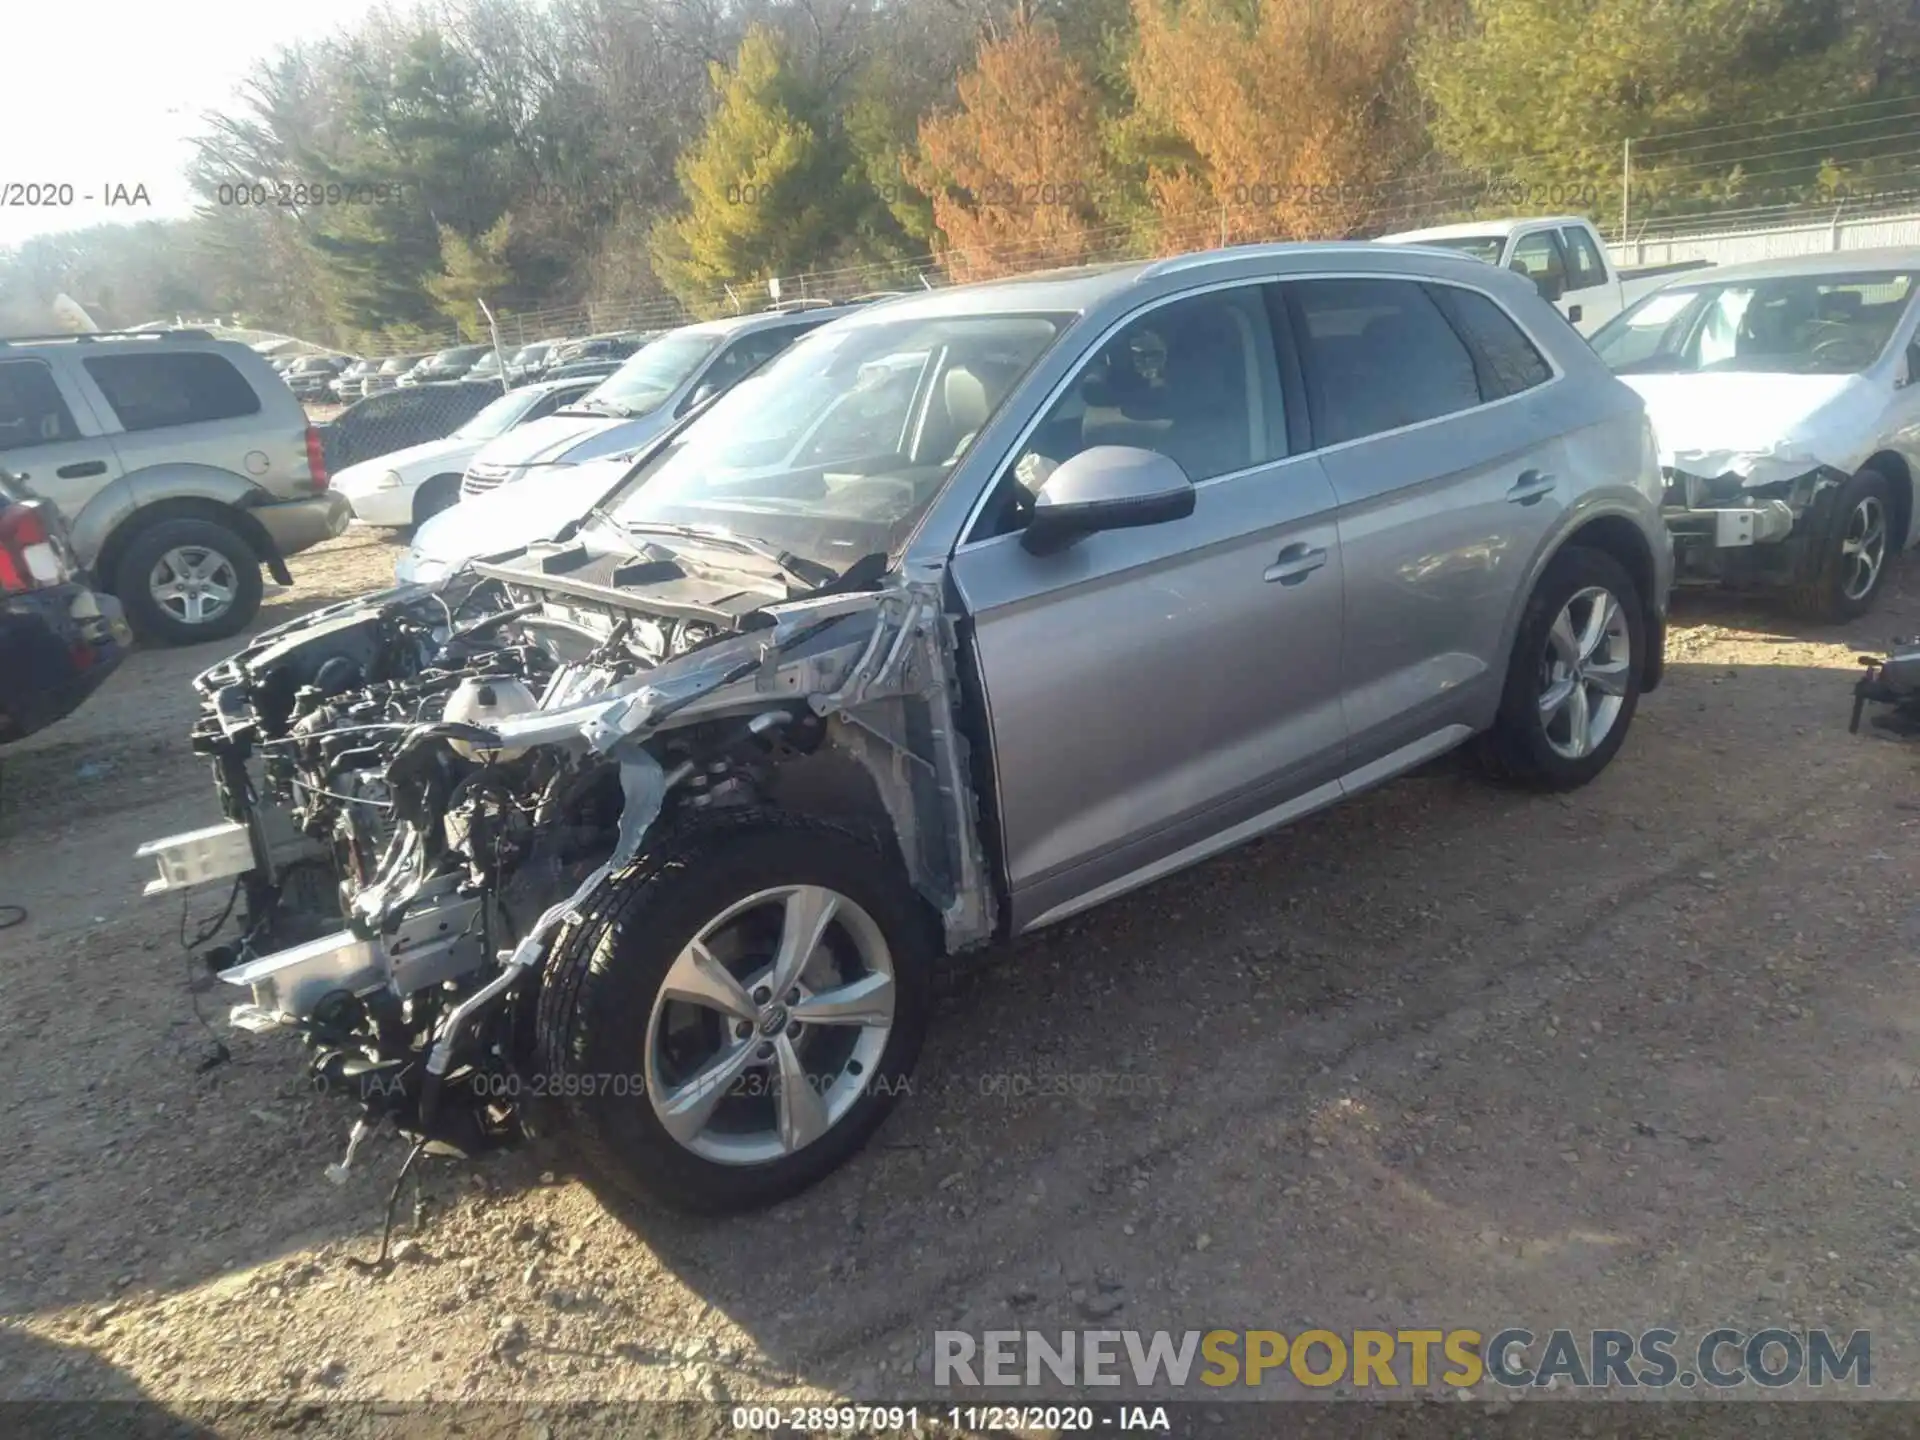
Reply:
x=1783, y=394
x=970, y=612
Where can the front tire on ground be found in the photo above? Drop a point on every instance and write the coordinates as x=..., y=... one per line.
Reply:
x=188, y=580
x=1573, y=680
x=737, y=1011
x=1847, y=567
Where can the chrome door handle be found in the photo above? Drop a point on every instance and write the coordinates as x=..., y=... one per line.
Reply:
x=1531, y=486
x=1294, y=564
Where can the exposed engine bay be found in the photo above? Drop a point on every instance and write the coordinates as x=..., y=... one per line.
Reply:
x=423, y=789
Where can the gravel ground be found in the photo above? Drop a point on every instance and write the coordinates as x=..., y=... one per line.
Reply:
x=1446, y=1056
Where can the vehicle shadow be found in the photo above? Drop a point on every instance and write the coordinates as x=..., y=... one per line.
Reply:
x=50, y=1391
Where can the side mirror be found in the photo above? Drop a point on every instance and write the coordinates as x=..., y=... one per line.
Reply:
x=1109, y=487
x=702, y=393
x=1910, y=367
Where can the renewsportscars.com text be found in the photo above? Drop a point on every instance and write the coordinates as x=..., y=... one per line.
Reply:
x=1721, y=1358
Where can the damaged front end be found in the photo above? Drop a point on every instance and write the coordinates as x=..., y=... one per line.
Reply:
x=1728, y=529
x=422, y=789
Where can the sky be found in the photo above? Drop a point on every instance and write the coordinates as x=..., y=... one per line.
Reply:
x=104, y=96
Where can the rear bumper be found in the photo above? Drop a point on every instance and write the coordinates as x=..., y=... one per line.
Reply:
x=296, y=525
x=56, y=648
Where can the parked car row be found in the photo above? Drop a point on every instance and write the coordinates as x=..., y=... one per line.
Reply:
x=344, y=378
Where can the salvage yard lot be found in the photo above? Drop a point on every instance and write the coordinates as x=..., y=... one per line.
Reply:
x=1446, y=1056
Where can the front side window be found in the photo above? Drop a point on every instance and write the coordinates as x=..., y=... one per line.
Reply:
x=1377, y=355
x=748, y=354
x=1585, y=268
x=1194, y=381
x=1539, y=257
x=837, y=447
x=153, y=391
x=31, y=410
x=1835, y=324
x=648, y=380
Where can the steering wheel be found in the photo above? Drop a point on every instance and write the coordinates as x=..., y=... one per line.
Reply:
x=1846, y=346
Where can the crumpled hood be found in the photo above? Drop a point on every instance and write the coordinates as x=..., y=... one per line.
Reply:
x=1763, y=428
x=512, y=516
x=543, y=441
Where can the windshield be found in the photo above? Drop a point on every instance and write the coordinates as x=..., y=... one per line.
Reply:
x=646, y=381
x=497, y=418
x=1480, y=247
x=1793, y=325
x=836, y=449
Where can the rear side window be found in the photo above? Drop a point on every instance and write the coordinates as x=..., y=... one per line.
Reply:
x=152, y=392
x=31, y=410
x=1377, y=355
x=1505, y=358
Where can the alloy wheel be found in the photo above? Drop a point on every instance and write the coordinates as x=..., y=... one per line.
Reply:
x=1585, y=672
x=769, y=1025
x=193, y=584
x=1863, y=548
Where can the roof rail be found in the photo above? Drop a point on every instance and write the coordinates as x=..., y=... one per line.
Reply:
x=787, y=307
x=89, y=335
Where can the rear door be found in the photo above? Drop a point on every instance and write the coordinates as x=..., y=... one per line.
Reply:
x=1158, y=693
x=50, y=436
x=1428, y=403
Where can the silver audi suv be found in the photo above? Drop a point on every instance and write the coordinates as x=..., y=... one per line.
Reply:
x=966, y=612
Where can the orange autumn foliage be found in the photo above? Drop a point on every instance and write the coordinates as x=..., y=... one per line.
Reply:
x=1296, y=116
x=1017, y=171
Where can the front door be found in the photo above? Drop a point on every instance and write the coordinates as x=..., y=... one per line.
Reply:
x=48, y=436
x=1156, y=693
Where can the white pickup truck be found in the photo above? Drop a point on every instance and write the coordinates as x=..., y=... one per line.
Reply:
x=1562, y=254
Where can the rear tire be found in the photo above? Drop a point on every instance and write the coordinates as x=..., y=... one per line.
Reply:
x=623, y=1049
x=188, y=580
x=1573, y=680
x=1847, y=567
